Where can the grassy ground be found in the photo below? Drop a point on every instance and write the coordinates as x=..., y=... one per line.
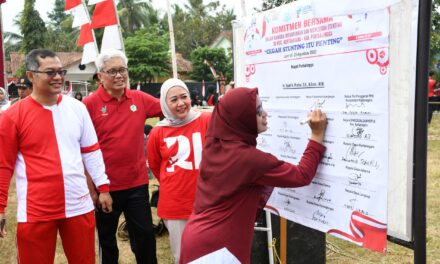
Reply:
x=338, y=251
x=8, y=249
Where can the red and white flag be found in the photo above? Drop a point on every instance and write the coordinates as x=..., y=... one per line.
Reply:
x=203, y=88
x=87, y=41
x=138, y=87
x=85, y=35
x=93, y=2
x=69, y=4
x=80, y=16
x=111, y=38
x=104, y=15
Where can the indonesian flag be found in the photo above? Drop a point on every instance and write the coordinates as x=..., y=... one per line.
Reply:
x=92, y=2
x=138, y=87
x=2, y=1
x=203, y=88
x=104, y=15
x=88, y=42
x=90, y=53
x=80, y=16
x=69, y=4
x=85, y=35
x=111, y=38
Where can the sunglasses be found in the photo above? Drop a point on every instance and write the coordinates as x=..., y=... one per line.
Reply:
x=52, y=74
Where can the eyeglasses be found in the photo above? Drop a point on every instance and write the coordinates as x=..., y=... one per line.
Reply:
x=52, y=74
x=114, y=72
x=260, y=110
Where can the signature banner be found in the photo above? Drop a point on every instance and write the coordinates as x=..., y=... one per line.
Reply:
x=338, y=64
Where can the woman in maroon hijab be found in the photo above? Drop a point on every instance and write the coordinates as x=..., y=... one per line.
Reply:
x=234, y=176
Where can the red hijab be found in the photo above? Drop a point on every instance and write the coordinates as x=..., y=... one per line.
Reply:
x=230, y=160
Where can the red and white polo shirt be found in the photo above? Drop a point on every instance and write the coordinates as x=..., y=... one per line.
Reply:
x=46, y=145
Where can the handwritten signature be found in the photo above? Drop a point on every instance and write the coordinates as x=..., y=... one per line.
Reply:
x=353, y=151
x=354, y=179
x=350, y=105
x=321, y=197
x=317, y=104
x=287, y=147
x=328, y=157
x=320, y=217
x=262, y=143
x=358, y=132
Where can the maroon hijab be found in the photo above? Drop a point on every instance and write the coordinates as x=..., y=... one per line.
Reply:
x=230, y=160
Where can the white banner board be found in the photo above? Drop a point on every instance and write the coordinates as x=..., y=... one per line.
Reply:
x=339, y=64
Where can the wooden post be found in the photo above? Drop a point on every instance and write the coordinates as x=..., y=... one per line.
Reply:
x=283, y=240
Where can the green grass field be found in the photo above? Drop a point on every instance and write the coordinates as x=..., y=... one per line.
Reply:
x=338, y=251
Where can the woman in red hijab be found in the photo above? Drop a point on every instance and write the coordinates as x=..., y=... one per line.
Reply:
x=235, y=176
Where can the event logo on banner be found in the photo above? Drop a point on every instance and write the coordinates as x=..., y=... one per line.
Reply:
x=338, y=64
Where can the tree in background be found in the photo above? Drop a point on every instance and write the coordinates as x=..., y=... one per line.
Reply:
x=435, y=31
x=198, y=25
x=57, y=16
x=221, y=62
x=148, y=55
x=12, y=41
x=32, y=28
x=60, y=34
x=269, y=4
x=135, y=14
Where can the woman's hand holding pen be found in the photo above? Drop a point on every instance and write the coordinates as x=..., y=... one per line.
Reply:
x=318, y=124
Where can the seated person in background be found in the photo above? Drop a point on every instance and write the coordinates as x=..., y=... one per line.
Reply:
x=236, y=178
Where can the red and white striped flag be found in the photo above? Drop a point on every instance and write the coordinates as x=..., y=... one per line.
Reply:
x=80, y=16
x=69, y=4
x=105, y=16
x=93, y=2
x=203, y=88
x=87, y=41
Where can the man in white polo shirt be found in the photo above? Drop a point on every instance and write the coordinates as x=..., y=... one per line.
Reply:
x=45, y=138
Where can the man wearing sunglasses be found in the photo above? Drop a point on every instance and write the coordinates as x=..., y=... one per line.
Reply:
x=119, y=115
x=46, y=138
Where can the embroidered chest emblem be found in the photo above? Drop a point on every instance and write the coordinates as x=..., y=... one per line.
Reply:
x=133, y=108
x=104, y=109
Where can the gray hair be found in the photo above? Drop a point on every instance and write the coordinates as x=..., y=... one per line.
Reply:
x=32, y=58
x=107, y=55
